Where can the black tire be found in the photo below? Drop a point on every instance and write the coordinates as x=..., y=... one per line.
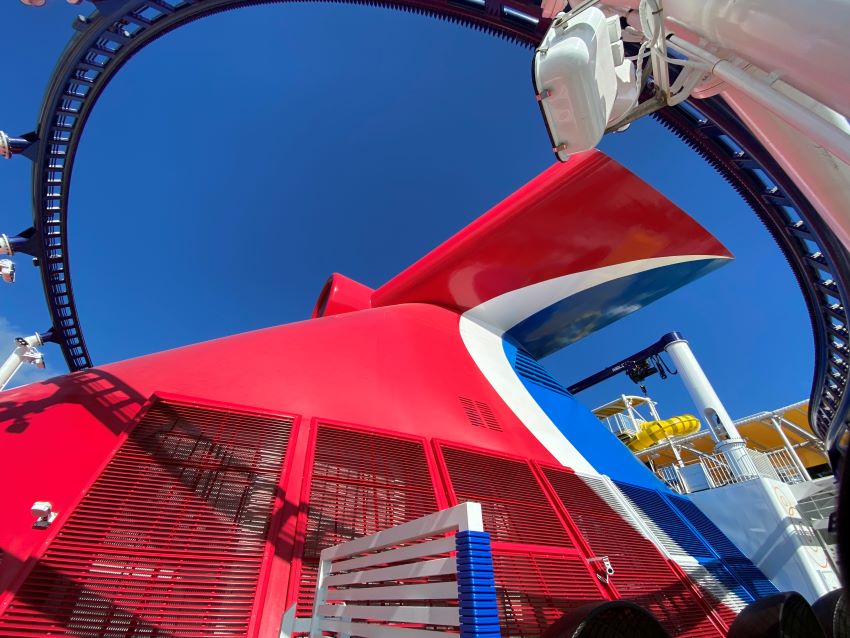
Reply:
x=612, y=619
x=784, y=615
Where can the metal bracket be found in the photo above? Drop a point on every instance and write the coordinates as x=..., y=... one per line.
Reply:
x=604, y=570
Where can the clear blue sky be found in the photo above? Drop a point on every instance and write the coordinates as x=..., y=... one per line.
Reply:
x=235, y=163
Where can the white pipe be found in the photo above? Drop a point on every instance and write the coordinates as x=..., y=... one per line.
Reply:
x=820, y=131
x=18, y=357
x=723, y=431
x=791, y=451
x=11, y=365
x=802, y=41
x=801, y=432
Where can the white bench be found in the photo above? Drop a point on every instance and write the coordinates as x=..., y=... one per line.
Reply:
x=402, y=582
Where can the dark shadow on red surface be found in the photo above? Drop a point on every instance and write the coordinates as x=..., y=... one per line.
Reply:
x=106, y=397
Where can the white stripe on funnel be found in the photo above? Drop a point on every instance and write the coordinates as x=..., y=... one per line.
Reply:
x=482, y=327
x=513, y=307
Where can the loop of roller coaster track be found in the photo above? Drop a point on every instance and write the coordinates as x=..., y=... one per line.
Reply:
x=118, y=29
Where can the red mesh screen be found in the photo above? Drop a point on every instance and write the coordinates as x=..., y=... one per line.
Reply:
x=535, y=589
x=537, y=583
x=170, y=538
x=515, y=507
x=642, y=574
x=362, y=483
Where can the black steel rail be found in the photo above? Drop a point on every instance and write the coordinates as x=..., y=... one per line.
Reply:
x=119, y=28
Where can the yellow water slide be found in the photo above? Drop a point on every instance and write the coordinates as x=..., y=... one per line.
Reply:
x=652, y=432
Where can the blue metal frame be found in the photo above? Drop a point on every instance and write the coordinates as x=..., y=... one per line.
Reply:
x=118, y=29
x=479, y=612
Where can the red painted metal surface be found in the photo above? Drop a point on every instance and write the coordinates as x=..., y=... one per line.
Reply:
x=401, y=369
x=587, y=213
x=515, y=507
x=642, y=574
x=340, y=295
x=361, y=482
x=541, y=566
x=170, y=540
x=534, y=589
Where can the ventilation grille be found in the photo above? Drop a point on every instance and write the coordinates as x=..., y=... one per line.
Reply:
x=716, y=582
x=744, y=570
x=362, y=483
x=671, y=531
x=751, y=576
x=605, y=491
x=529, y=368
x=708, y=530
x=479, y=414
x=514, y=506
x=534, y=590
x=170, y=538
x=642, y=574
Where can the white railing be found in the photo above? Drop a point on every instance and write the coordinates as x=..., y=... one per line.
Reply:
x=405, y=582
x=622, y=424
x=670, y=475
x=715, y=472
x=786, y=468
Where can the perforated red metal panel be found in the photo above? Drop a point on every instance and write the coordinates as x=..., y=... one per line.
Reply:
x=361, y=483
x=642, y=574
x=534, y=589
x=540, y=573
x=170, y=538
x=515, y=508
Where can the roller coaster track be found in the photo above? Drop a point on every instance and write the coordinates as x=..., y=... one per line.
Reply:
x=118, y=29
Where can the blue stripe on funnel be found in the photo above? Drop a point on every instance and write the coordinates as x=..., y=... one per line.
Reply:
x=573, y=318
x=590, y=437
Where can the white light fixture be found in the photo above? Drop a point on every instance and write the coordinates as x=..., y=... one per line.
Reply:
x=7, y=270
x=44, y=514
x=5, y=145
x=582, y=79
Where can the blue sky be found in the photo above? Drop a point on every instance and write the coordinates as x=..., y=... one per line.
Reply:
x=235, y=163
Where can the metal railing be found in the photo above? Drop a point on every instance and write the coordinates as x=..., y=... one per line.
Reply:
x=785, y=466
x=715, y=472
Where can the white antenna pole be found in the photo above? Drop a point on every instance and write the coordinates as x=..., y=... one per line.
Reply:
x=24, y=352
x=723, y=431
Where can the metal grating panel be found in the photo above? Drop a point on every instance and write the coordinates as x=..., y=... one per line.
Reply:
x=752, y=577
x=721, y=544
x=170, y=538
x=671, y=531
x=361, y=483
x=515, y=508
x=534, y=590
x=605, y=490
x=649, y=581
x=756, y=583
x=529, y=368
x=716, y=581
